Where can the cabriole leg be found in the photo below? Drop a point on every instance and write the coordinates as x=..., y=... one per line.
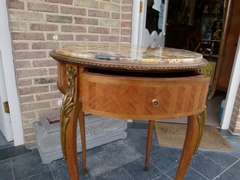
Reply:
x=149, y=143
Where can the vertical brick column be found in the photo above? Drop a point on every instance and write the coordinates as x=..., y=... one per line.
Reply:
x=126, y=22
x=235, y=119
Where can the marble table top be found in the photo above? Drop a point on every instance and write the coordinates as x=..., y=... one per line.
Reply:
x=125, y=56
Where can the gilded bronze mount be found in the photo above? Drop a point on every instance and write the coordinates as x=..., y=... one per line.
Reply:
x=67, y=106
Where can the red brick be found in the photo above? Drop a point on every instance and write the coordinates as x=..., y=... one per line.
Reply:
x=18, y=26
x=54, y=88
x=76, y=11
x=237, y=125
x=48, y=96
x=53, y=71
x=68, y=28
x=60, y=1
x=109, y=7
x=27, y=36
x=27, y=123
x=43, y=27
x=115, y=16
x=45, y=45
x=44, y=63
x=33, y=90
x=86, y=3
x=126, y=16
x=47, y=112
x=126, y=2
x=24, y=82
x=26, y=99
x=126, y=32
x=81, y=20
x=54, y=103
x=28, y=115
x=31, y=145
x=236, y=131
x=23, y=64
x=109, y=38
x=20, y=46
x=116, y=1
x=231, y=126
x=45, y=80
x=109, y=22
x=126, y=9
x=42, y=7
x=87, y=37
x=99, y=30
x=125, y=24
x=234, y=118
x=237, y=98
x=25, y=16
x=115, y=31
x=29, y=55
x=126, y=39
x=31, y=73
x=233, y=123
x=30, y=138
x=13, y=4
x=97, y=13
x=59, y=19
x=28, y=130
x=61, y=37
x=36, y=105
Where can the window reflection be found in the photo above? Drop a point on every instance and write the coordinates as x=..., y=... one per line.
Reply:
x=155, y=13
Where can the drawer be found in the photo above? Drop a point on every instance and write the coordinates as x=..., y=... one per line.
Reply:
x=143, y=96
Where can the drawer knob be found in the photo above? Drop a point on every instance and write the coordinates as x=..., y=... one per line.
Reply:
x=155, y=102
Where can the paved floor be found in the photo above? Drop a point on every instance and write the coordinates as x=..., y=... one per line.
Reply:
x=3, y=142
x=124, y=160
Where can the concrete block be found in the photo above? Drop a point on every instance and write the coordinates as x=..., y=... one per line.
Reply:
x=99, y=131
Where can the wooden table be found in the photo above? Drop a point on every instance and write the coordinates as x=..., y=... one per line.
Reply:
x=127, y=82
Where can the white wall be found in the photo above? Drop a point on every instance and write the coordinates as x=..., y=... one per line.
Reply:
x=9, y=73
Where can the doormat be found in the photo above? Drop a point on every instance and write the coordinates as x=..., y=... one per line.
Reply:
x=174, y=135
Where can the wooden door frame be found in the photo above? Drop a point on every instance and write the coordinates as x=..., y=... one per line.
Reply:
x=235, y=77
x=5, y=120
x=135, y=22
x=139, y=20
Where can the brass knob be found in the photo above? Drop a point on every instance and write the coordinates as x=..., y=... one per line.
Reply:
x=155, y=102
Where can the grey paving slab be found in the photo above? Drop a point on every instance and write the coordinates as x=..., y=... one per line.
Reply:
x=42, y=176
x=116, y=174
x=100, y=162
x=125, y=159
x=6, y=171
x=225, y=159
x=163, y=159
x=206, y=166
x=28, y=165
x=190, y=175
x=231, y=173
x=136, y=170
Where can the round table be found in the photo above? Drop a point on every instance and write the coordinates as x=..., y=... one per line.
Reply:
x=129, y=82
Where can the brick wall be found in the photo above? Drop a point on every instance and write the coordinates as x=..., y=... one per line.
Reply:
x=235, y=119
x=34, y=24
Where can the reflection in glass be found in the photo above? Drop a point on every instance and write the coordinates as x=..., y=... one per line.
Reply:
x=155, y=14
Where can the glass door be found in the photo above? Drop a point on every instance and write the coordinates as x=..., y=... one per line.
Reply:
x=149, y=23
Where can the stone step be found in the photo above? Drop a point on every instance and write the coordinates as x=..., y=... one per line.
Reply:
x=99, y=131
